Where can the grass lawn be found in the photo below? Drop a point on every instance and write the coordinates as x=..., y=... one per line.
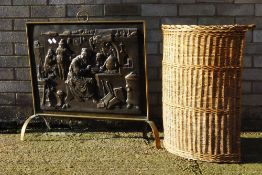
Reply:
x=111, y=153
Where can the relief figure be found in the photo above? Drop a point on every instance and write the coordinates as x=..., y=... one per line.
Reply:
x=80, y=82
x=50, y=63
x=132, y=88
x=111, y=64
x=63, y=59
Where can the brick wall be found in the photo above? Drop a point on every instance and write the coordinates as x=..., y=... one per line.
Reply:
x=15, y=97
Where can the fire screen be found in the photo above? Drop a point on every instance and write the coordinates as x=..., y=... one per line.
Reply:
x=93, y=67
x=89, y=70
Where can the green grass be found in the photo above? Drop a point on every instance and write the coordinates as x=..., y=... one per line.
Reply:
x=111, y=153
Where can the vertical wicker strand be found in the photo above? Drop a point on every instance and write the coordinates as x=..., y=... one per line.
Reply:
x=192, y=118
x=200, y=113
x=238, y=120
x=194, y=88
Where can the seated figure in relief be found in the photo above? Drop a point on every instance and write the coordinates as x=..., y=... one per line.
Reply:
x=80, y=82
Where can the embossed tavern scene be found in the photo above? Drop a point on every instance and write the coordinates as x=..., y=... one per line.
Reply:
x=88, y=67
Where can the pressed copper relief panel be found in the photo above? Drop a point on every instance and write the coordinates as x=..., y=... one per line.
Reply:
x=91, y=67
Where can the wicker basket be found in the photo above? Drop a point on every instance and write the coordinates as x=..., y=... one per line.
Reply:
x=202, y=90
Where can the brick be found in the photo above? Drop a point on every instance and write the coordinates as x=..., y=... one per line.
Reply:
x=21, y=49
x=7, y=98
x=215, y=1
x=153, y=99
x=139, y=1
x=123, y=18
x=122, y=9
x=152, y=48
x=252, y=122
x=29, y=2
x=257, y=37
x=252, y=74
x=257, y=61
x=247, y=1
x=246, y=87
x=152, y=73
x=22, y=74
x=161, y=47
x=14, y=11
x=14, y=61
x=155, y=86
x=215, y=20
x=179, y=21
x=156, y=110
x=252, y=100
x=6, y=24
x=159, y=10
x=152, y=22
x=197, y=10
x=249, y=36
x=154, y=60
x=154, y=35
x=253, y=48
x=24, y=99
x=48, y=11
x=257, y=87
x=56, y=2
x=247, y=61
x=5, y=2
x=23, y=112
x=107, y=1
x=15, y=86
x=6, y=73
x=15, y=113
x=160, y=72
x=62, y=19
x=93, y=10
x=6, y=49
x=20, y=24
x=250, y=20
x=7, y=113
x=253, y=112
x=160, y=98
x=177, y=1
x=12, y=37
x=235, y=9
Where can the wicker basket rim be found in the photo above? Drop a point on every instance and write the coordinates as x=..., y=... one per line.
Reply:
x=208, y=28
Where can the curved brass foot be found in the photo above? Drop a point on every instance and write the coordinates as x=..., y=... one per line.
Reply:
x=25, y=125
x=156, y=133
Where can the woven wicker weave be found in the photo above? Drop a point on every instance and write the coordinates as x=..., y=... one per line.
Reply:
x=202, y=90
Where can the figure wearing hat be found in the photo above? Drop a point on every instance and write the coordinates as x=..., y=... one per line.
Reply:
x=63, y=59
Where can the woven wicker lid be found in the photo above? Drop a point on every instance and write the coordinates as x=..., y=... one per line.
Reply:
x=208, y=28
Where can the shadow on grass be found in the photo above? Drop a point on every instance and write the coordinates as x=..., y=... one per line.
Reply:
x=74, y=137
x=251, y=150
x=68, y=134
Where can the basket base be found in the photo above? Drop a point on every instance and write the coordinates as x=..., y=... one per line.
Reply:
x=222, y=158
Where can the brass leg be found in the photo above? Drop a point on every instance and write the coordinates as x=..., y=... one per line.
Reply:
x=47, y=123
x=25, y=125
x=145, y=132
x=156, y=133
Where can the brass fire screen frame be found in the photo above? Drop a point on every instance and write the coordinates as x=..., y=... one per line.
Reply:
x=106, y=36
